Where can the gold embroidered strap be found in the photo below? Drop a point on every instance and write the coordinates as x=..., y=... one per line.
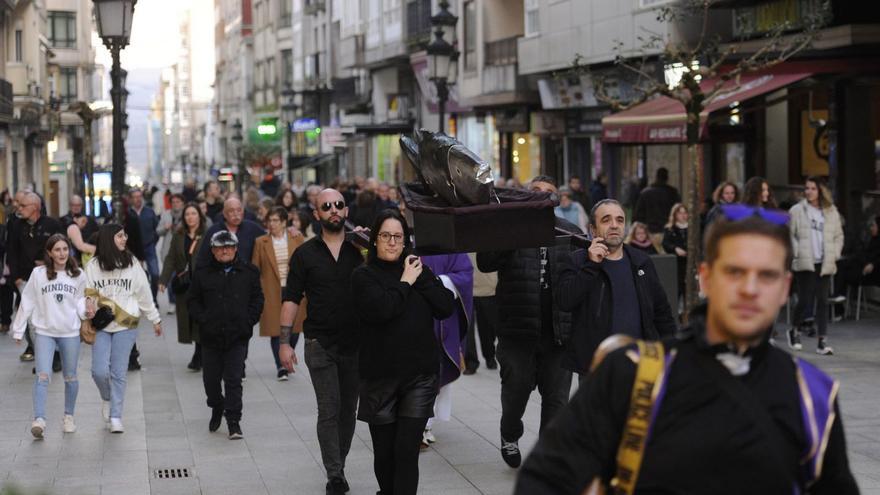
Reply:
x=120, y=316
x=638, y=421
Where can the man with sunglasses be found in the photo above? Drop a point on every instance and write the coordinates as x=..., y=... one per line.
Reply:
x=320, y=270
x=28, y=244
x=717, y=409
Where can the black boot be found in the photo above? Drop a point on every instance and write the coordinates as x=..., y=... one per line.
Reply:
x=134, y=364
x=195, y=364
x=216, y=419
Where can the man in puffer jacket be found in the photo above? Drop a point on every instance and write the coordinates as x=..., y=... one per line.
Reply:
x=531, y=331
x=226, y=300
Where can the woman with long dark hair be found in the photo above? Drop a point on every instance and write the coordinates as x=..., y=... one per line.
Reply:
x=53, y=300
x=817, y=236
x=120, y=286
x=185, y=241
x=757, y=192
x=397, y=299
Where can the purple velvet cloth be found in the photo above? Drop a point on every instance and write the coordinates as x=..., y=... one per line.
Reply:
x=451, y=331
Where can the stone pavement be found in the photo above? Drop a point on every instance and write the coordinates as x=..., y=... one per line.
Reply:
x=166, y=427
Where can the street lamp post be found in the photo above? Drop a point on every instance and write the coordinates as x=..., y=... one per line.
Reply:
x=114, y=26
x=238, y=139
x=288, y=114
x=442, y=58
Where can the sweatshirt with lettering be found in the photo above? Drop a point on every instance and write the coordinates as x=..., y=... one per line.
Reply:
x=55, y=307
x=127, y=287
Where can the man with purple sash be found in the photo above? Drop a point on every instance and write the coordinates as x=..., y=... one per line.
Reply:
x=728, y=412
x=457, y=274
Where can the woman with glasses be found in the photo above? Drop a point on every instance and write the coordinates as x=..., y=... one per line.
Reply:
x=179, y=264
x=397, y=299
x=817, y=237
x=120, y=286
x=272, y=254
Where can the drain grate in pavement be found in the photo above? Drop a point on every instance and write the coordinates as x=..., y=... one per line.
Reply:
x=172, y=473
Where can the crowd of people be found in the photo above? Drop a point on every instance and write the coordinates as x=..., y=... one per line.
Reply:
x=386, y=333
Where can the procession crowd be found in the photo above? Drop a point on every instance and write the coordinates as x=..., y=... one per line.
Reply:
x=387, y=333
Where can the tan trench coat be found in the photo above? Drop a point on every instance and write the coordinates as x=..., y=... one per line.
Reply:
x=270, y=279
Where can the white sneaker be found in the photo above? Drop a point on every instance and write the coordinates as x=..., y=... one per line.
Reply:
x=428, y=436
x=105, y=410
x=116, y=425
x=69, y=424
x=38, y=427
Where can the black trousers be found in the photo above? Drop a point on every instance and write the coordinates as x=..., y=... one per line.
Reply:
x=526, y=364
x=396, y=455
x=812, y=289
x=486, y=317
x=7, y=296
x=226, y=366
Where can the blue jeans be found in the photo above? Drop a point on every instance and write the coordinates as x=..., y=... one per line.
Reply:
x=43, y=354
x=110, y=365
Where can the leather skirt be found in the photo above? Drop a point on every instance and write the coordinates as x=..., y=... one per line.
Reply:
x=383, y=400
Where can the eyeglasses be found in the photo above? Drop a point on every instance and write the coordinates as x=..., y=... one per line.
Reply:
x=387, y=236
x=339, y=205
x=735, y=212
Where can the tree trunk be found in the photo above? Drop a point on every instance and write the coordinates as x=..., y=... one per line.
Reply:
x=694, y=247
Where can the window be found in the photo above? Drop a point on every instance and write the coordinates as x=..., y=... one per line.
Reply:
x=67, y=85
x=284, y=13
x=286, y=67
x=62, y=29
x=470, y=35
x=18, y=46
x=533, y=20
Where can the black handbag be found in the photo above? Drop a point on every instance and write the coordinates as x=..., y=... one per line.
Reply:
x=103, y=317
x=181, y=281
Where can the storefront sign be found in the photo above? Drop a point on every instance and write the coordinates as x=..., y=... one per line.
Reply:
x=547, y=123
x=512, y=120
x=302, y=125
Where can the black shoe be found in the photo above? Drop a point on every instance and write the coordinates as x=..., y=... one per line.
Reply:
x=56, y=363
x=337, y=486
x=234, y=430
x=194, y=366
x=216, y=418
x=27, y=355
x=469, y=371
x=134, y=364
x=510, y=453
x=492, y=365
x=794, y=339
x=282, y=375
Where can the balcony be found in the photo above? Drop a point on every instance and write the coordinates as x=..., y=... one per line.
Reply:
x=312, y=7
x=418, y=24
x=501, y=52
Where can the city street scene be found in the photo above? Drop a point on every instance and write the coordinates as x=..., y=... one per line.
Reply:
x=408, y=247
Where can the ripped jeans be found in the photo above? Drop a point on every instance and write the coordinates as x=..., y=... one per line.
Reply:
x=44, y=350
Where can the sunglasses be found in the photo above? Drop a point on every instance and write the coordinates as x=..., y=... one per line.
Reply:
x=339, y=205
x=735, y=212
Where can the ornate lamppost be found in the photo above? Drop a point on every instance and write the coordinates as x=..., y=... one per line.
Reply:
x=443, y=58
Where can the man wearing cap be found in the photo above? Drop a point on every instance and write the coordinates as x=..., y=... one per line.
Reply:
x=716, y=409
x=226, y=300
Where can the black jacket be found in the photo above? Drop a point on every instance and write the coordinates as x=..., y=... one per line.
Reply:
x=585, y=289
x=674, y=237
x=703, y=440
x=397, y=320
x=654, y=205
x=28, y=243
x=518, y=293
x=226, y=302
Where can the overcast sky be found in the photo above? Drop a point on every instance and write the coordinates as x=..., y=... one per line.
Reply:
x=154, y=35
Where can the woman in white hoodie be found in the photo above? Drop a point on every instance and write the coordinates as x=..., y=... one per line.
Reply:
x=117, y=282
x=54, y=302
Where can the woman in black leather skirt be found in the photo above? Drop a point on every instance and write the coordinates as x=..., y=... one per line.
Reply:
x=397, y=299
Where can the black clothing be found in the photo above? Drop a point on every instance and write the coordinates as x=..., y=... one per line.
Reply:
x=654, y=205
x=189, y=194
x=396, y=455
x=224, y=365
x=247, y=215
x=524, y=366
x=812, y=291
x=28, y=243
x=226, y=301
x=214, y=209
x=584, y=288
x=703, y=440
x=132, y=228
x=623, y=288
x=326, y=282
x=486, y=318
x=649, y=249
x=676, y=237
x=519, y=289
x=247, y=234
x=309, y=213
x=386, y=400
x=598, y=192
x=583, y=198
x=397, y=320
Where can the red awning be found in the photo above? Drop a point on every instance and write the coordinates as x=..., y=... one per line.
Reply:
x=662, y=120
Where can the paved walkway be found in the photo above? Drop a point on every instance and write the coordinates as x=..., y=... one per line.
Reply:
x=166, y=427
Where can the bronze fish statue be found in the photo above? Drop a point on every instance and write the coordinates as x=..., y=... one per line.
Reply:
x=449, y=168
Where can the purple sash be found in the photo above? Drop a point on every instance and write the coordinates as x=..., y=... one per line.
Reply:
x=818, y=392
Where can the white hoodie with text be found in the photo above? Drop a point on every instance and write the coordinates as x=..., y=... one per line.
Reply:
x=128, y=287
x=55, y=308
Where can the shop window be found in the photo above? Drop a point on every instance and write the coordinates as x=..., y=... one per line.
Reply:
x=525, y=157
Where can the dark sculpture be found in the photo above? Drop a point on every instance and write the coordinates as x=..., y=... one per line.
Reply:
x=448, y=168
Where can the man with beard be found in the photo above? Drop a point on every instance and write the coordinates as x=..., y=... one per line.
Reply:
x=610, y=289
x=321, y=271
x=233, y=220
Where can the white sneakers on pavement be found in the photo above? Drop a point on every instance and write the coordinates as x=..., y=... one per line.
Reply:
x=116, y=425
x=38, y=427
x=68, y=424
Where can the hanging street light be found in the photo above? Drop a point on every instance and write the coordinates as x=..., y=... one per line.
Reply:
x=114, y=26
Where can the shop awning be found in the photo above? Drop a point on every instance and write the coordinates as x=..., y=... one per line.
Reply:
x=662, y=120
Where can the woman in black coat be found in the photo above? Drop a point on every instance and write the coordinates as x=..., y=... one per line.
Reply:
x=397, y=300
x=675, y=236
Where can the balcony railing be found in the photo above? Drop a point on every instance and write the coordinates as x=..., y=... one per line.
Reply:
x=501, y=52
x=418, y=23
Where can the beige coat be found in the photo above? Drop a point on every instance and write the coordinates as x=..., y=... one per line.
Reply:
x=832, y=239
x=484, y=283
x=270, y=280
